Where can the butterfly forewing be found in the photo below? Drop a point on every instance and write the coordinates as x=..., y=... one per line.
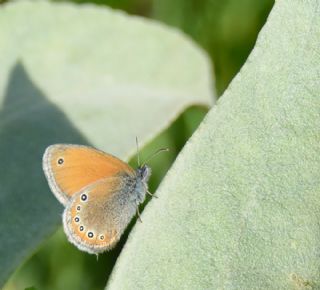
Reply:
x=70, y=168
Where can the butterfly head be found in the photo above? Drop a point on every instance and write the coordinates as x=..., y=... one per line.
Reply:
x=143, y=170
x=144, y=173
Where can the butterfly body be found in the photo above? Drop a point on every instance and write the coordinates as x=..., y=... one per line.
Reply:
x=100, y=193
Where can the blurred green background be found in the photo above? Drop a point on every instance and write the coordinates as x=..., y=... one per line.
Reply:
x=227, y=30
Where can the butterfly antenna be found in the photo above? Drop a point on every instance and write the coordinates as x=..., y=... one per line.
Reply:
x=155, y=154
x=138, y=151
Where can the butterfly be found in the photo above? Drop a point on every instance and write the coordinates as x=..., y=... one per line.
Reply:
x=100, y=193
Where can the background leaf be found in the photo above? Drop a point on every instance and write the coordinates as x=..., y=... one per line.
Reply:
x=227, y=30
x=240, y=207
x=78, y=75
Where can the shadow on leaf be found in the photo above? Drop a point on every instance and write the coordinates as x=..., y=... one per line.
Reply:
x=29, y=122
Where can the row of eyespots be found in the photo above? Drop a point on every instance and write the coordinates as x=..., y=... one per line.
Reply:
x=89, y=234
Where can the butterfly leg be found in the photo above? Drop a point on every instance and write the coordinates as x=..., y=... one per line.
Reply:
x=151, y=194
x=138, y=213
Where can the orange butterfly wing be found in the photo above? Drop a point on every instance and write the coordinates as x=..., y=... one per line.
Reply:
x=69, y=168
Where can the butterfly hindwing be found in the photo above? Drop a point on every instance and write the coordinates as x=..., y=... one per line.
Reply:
x=70, y=168
x=96, y=216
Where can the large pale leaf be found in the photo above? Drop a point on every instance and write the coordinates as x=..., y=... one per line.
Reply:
x=240, y=208
x=80, y=74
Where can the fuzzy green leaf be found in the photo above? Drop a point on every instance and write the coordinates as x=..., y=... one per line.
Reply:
x=240, y=208
x=86, y=75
